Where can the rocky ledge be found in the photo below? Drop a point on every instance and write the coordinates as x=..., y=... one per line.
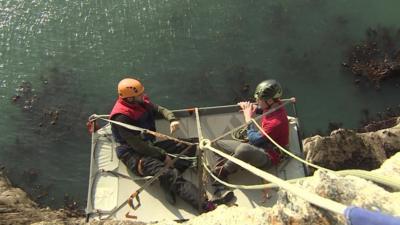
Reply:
x=343, y=148
x=347, y=149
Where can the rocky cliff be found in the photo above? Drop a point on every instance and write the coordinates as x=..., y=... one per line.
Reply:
x=346, y=149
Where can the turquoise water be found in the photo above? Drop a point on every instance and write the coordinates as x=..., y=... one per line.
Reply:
x=187, y=53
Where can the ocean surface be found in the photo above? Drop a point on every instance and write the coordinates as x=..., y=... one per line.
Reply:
x=65, y=58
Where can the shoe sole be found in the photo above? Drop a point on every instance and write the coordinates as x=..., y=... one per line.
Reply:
x=225, y=199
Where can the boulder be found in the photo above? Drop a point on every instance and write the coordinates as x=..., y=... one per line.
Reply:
x=346, y=149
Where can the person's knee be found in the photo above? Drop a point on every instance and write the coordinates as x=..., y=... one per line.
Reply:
x=131, y=164
x=242, y=152
x=170, y=177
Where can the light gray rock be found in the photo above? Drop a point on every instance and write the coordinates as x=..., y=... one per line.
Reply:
x=346, y=149
x=348, y=190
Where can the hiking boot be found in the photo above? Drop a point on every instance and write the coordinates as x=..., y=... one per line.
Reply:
x=208, y=206
x=166, y=183
x=169, y=196
x=223, y=195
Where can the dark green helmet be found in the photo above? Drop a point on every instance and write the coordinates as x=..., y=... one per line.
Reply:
x=268, y=89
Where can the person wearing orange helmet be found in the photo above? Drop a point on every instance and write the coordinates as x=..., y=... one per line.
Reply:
x=141, y=153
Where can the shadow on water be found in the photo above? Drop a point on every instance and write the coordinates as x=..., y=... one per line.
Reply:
x=50, y=140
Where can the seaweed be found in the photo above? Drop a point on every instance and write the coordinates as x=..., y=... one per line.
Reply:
x=377, y=57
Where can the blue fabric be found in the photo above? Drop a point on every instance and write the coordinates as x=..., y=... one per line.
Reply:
x=360, y=216
x=122, y=149
x=255, y=137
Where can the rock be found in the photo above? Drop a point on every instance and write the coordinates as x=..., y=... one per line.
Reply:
x=349, y=190
x=230, y=215
x=17, y=208
x=390, y=167
x=346, y=149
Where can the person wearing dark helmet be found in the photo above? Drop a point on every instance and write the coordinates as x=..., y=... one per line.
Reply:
x=141, y=153
x=258, y=151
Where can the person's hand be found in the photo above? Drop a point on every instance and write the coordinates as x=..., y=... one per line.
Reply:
x=168, y=161
x=242, y=105
x=173, y=126
x=248, y=109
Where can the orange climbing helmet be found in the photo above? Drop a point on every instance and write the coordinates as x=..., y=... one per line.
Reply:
x=129, y=87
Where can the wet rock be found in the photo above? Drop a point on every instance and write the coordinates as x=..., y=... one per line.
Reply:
x=30, y=175
x=372, y=126
x=376, y=58
x=346, y=149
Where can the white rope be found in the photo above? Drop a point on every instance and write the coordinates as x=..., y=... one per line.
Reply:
x=310, y=197
x=128, y=126
x=286, y=151
x=159, y=135
x=237, y=186
x=182, y=157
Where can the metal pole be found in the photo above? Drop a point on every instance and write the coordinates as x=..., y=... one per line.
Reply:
x=199, y=162
x=299, y=136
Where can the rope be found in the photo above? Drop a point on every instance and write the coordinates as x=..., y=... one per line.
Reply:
x=286, y=151
x=236, y=186
x=94, y=117
x=391, y=182
x=310, y=197
x=183, y=157
x=142, y=130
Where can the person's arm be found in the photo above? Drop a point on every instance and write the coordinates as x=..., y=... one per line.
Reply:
x=255, y=137
x=166, y=113
x=134, y=140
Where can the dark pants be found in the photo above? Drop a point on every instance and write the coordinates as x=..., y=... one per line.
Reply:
x=172, y=180
x=248, y=153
